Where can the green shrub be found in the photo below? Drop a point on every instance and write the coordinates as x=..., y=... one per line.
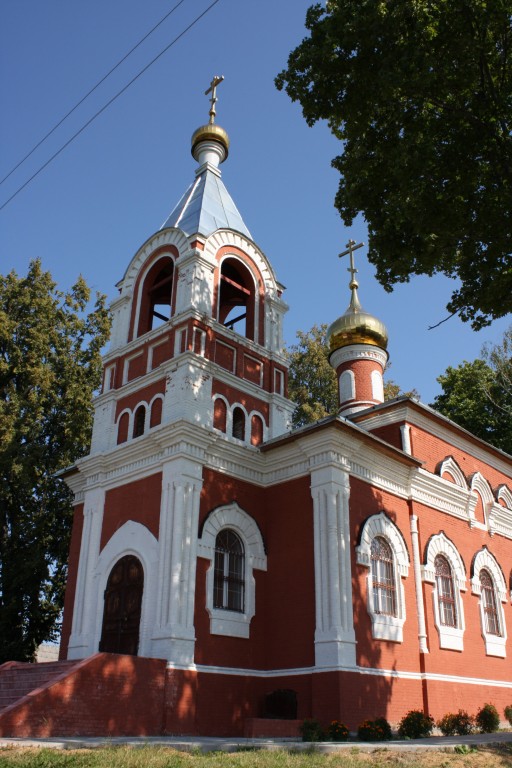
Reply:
x=374, y=730
x=337, y=731
x=311, y=730
x=508, y=714
x=415, y=725
x=488, y=719
x=459, y=723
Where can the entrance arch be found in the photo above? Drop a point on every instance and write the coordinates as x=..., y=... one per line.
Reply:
x=122, y=607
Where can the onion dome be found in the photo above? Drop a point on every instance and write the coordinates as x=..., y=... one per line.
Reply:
x=356, y=326
x=208, y=133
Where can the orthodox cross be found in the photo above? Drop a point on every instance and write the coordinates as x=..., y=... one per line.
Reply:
x=351, y=247
x=213, y=98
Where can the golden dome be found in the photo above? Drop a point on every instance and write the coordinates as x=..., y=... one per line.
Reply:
x=356, y=327
x=210, y=132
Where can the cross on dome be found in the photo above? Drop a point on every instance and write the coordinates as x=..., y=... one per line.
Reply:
x=216, y=80
x=351, y=247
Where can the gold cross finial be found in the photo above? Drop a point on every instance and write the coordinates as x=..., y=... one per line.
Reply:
x=351, y=247
x=213, y=98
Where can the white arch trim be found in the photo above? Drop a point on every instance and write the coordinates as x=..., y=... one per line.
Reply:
x=495, y=645
x=449, y=637
x=161, y=238
x=450, y=467
x=225, y=237
x=385, y=627
x=225, y=622
x=131, y=539
x=504, y=494
x=441, y=545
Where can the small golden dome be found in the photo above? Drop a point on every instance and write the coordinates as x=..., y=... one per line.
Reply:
x=210, y=132
x=356, y=327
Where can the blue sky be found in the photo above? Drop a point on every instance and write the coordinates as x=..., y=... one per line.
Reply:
x=101, y=198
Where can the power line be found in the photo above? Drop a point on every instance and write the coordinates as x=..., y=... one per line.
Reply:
x=105, y=106
x=91, y=91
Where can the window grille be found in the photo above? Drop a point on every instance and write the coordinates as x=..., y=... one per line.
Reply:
x=139, y=421
x=492, y=625
x=229, y=574
x=238, y=424
x=445, y=592
x=383, y=577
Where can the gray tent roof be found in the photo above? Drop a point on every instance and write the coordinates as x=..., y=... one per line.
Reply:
x=206, y=206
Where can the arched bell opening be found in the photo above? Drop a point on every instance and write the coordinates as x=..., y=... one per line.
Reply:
x=156, y=296
x=237, y=296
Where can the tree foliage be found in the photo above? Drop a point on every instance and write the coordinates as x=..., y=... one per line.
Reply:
x=50, y=364
x=419, y=93
x=312, y=382
x=478, y=395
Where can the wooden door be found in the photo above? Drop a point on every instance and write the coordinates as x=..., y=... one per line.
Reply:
x=123, y=601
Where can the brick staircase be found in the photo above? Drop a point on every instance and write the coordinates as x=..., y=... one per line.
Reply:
x=103, y=694
x=17, y=679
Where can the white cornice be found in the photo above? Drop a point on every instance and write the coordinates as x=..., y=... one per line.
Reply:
x=450, y=433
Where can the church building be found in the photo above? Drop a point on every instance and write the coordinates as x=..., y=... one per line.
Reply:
x=230, y=575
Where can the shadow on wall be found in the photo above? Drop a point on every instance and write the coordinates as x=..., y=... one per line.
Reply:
x=104, y=695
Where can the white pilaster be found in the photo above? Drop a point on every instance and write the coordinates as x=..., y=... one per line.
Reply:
x=84, y=614
x=188, y=393
x=179, y=513
x=334, y=635
x=422, y=627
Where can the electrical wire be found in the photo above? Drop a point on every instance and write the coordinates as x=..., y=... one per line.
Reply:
x=91, y=91
x=111, y=101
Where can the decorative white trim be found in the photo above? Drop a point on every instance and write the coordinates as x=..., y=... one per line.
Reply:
x=450, y=466
x=505, y=494
x=385, y=627
x=347, y=386
x=358, y=352
x=449, y=637
x=495, y=645
x=372, y=671
x=480, y=486
x=131, y=539
x=225, y=622
x=377, y=386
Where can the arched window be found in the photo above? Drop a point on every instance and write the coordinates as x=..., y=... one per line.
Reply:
x=383, y=577
x=155, y=303
x=238, y=423
x=382, y=549
x=219, y=414
x=156, y=412
x=228, y=580
x=237, y=298
x=445, y=592
x=490, y=613
x=122, y=429
x=139, y=421
x=488, y=582
x=256, y=430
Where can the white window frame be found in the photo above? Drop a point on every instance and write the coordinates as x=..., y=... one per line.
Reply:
x=495, y=645
x=385, y=627
x=223, y=621
x=450, y=638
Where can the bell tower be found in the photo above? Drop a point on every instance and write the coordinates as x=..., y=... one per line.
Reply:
x=195, y=378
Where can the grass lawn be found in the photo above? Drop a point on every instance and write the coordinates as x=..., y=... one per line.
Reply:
x=164, y=757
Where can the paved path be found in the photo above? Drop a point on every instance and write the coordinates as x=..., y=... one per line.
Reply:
x=207, y=744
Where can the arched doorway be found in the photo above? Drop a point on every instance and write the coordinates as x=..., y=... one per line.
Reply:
x=123, y=601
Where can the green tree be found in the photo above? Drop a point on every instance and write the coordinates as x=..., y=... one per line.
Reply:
x=478, y=395
x=312, y=383
x=50, y=365
x=419, y=93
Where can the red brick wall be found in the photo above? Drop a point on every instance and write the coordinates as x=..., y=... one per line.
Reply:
x=105, y=695
x=138, y=501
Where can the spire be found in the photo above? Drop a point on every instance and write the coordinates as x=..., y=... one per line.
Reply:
x=356, y=326
x=207, y=205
